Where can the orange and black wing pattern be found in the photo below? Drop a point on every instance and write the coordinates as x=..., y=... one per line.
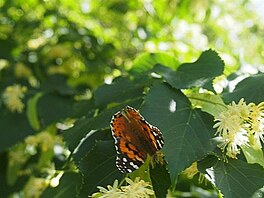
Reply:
x=134, y=138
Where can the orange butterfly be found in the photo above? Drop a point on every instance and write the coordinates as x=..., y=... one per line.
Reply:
x=134, y=138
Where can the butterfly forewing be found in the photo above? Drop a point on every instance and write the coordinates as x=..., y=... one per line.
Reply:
x=134, y=138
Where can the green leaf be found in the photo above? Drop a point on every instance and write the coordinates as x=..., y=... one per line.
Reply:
x=208, y=162
x=251, y=89
x=119, y=91
x=89, y=142
x=238, y=179
x=57, y=83
x=212, y=104
x=83, y=108
x=98, y=167
x=160, y=180
x=32, y=113
x=148, y=60
x=14, y=128
x=187, y=133
x=253, y=156
x=197, y=74
x=68, y=187
x=53, y=107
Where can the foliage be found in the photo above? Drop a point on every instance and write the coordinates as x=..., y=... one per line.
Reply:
x=66, y=68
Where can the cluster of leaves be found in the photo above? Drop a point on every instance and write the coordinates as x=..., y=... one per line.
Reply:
x=187, y=131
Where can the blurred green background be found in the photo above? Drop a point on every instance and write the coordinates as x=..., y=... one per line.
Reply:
x=92, y=41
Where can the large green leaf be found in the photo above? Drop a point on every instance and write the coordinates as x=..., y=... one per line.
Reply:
x=187, y=132
x=251, y=89
x=197, y=74
x=237, y=179
x=68, y=187
x=98, y=167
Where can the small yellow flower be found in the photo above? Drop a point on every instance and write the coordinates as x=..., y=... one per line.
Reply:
x=13, y=96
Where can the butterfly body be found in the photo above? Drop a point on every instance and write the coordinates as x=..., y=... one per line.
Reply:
x=135, y=139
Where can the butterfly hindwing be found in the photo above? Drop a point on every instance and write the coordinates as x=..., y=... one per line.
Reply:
x=128, y=159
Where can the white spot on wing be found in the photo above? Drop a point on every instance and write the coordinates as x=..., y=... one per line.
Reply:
x=134, y=165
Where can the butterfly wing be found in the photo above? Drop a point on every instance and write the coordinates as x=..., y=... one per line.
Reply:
x=134, y=139
x=127, y=159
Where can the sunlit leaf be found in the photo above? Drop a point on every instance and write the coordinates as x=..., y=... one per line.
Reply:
x=253, y=155
x=212, y=104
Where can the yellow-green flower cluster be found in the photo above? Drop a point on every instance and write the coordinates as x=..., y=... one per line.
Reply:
x=136, y=189
x=239, y=125
x=13, y=96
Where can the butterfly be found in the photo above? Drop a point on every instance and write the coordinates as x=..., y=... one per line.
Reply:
x=135, y=139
